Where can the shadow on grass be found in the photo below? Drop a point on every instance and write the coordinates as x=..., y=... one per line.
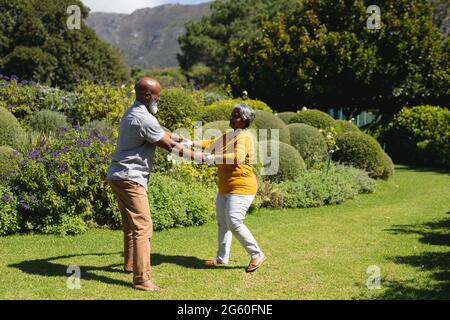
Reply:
x=401, y=167
x=184, y=261
x=436, y=233
x=48, y=268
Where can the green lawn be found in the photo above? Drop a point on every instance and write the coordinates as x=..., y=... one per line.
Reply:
x=318, y=253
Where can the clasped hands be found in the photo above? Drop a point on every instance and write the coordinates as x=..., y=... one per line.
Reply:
x=188, y=144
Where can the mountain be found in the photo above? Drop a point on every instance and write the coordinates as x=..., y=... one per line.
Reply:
x=148, y=37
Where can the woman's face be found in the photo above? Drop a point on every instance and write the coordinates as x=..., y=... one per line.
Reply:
x=236, y=121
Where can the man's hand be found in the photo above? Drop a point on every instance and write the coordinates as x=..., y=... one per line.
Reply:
x=177, y=138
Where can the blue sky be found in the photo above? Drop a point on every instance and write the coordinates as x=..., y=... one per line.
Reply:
x=128, y=6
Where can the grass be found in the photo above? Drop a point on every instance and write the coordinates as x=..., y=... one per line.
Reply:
x=320, y=253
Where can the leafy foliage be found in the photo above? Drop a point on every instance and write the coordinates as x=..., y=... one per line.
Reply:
x=36, y=44
x=11, y=133
x=9, y=162
x=61, y=187
x=321, y=54
x=362, y=151
x=314, y=118
x=310, y=142
x=420, y=135
x=175, y=203
x=9, y=217
x=286, y=116
x=47, y=121
x=290, y=162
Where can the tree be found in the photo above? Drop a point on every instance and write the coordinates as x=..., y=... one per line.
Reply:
x=207, y=42
x=36, y=44
x=321, y=54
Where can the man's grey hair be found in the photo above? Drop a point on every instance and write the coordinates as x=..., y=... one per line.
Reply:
x=247, y=113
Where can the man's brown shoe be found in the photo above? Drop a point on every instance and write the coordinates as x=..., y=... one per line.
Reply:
x=256, y=263
x=147, y=286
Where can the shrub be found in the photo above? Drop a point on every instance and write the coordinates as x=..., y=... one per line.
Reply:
x=47, y=121
x=19, y=96
x=290, y=162
x=100, y=101
x=389, y=169
x=175, y=203
x=177, y=109
x=222, y=126
x=314, y=188
x=420, y=135
x=221, y=110
x=55, y=99
x=361, y=151
x=9, y=162
x=104, y=128
x=61, y=185
x=11, y=133
x=309, y=141
x=286, y=116
x=9, y=217
x=342, y=126
x=267, y=121
x=315, y=118
x=212, y=97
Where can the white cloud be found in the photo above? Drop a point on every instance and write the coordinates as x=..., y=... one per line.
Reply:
x=128, y=6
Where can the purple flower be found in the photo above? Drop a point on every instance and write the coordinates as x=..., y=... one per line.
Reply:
x=15, y=188
x=24, y=206
x=77, y=127
x=102, y=138
x=83, y=143
x=66, y=148
x=56, y=154
x=7, y=198
x=33, y=154
x=96, y=158
x=24, y=163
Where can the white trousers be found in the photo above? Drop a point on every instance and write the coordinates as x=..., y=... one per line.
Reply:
x=230, y=215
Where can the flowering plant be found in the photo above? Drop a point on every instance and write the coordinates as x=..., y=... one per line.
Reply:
x=61, y=185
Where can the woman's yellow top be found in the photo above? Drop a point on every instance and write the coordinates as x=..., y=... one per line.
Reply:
x=234, y=153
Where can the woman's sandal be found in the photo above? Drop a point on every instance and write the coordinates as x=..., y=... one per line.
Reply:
x=255, y=263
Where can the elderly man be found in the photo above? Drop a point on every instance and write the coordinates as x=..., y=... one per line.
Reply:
x=140, y=134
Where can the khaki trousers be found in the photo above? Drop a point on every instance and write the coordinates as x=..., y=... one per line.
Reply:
x=137, y=227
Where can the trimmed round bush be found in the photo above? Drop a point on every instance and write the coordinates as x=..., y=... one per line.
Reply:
x=342, y=126
x=286, y=116
x=222, y=126
x=9, y=162
x=266, y=120
x=281, y=161
x=420, y=135
x=9, y=216
x=389, y=169
x=221, y=110
x=315, y=118
x=11, y=133
x=309, y=141
x=47, y=121
x=177, y=109
x=361, y=151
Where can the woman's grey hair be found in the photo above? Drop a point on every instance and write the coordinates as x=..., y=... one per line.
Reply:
x=247, y=113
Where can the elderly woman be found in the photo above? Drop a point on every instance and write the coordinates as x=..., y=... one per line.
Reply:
x=237, y=184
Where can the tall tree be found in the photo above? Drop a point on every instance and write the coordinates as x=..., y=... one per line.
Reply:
x=36, y=44
x=208, y=41
x=322, y=54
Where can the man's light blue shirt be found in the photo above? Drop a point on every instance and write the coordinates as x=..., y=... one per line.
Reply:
x=133, y=160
